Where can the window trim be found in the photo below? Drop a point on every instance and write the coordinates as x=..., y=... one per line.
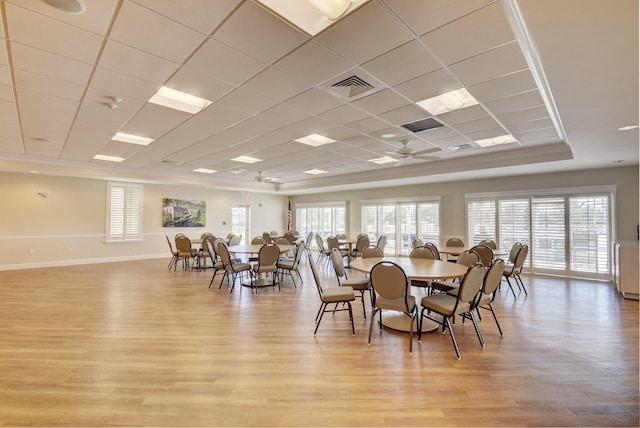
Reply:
x=139, y=235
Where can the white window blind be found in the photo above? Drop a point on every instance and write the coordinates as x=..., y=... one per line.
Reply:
x=240, y=222
x=481, y=221
x=548, y=224
x=429, y=221
x=513, y=222
x=124, y=212
x=324, y=220
x=589, y=233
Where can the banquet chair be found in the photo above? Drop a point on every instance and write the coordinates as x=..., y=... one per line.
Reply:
x=266, y=237
x=289, y=266
x=489, y=243
x=323, y=252
x=332, y=242
x=421, y=253
x=174, y=254
x=448, y=306
x=468, y=259
x=372, y=252
x=361, y=243
x=235, y=239
x=267, y=264
x=232, y=269
x=393, y=293
x=218, y=266
x=453, y=242
x=515, y=269
x=485, y=253
x=331, y=295
x=488, y=291
x=417, y=243
x=185, y=252
x=361, y=285
x=290, y=237
x=382, y=242
x=203, y=253
x=258, y=240
x=434, y=249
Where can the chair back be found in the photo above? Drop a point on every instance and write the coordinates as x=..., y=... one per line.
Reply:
x=336, y=260
x=308, y=240
x=389, y=281
x=471, y=283
x=183, y=244
x=489, y=243
x=205, y=247
x=382, y=242
x=281, y=241
x=372, y=252
x=434, y=249
x=223, y=252
x=493, y=277
x=422, y=253
x=514, y=252
x=417, y=243
x=316, y=277
x=170, y=245
x=454, y=242
x=235, y=239
x=211, y=248
x=362, y=243
x=341, y=236
x=521, y=258
x=360, y=235
x=266, y=237
x=468, y=258
x=258, y=240
x=298, y=256
x=320, y=243
x=273, y=233
x=485, y=253
x=206, y=235
x=178, y=234
x=332, y=242
x=290, y=237
x=268, y=255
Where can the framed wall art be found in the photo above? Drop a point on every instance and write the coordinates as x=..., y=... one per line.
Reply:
x=183, y=213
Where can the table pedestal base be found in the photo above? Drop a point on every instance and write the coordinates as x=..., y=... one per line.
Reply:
x=401, y=322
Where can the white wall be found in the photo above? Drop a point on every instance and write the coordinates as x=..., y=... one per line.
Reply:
x=68, y=226
x=452, y=202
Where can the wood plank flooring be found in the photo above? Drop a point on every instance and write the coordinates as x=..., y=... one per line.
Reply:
x=131, y=344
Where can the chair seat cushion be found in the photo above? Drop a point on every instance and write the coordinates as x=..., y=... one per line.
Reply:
x=338, y=294
x=240, y=266
x=357, y=283
x=444, y=304
x=264, y=269
x=285, y=264
x=445, y=286
x=395, y=304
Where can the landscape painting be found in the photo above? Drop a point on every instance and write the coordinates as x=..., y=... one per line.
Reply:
x=183, y=213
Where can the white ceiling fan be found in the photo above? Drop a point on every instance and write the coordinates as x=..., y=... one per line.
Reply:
x=262, y=179
x=406, y=153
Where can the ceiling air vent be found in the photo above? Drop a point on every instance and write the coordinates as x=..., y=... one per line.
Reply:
x=352, y=86
x=465, y=146
x=422, y=125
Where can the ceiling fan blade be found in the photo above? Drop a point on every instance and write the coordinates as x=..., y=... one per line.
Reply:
x=392, y=153
x=424, y=152
x=427, y=157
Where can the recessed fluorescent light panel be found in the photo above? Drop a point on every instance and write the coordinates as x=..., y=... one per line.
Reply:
x=178, y=100
x=133, y=139
x=496, y=141
x=628, y=128
x=246, y=159
x=108, y=158
x=383, y=160
x=205, y=170
x=454, y=100
x=315, y=171
x=315, y=140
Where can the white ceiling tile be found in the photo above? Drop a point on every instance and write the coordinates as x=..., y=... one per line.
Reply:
x=532, y=125
x=120, y=149
x=42, y=148
x=283, y=114
x=196, y=81
x=352, y=36
x=96, y=17
x=153, y=121
x=402, y=63
x=241, y=100
x=50, y=121
x=482, y=134
x=136, y=63
x=403, y=115
x=369, y=125
x=273, y=85
x=464, y=115
x=4, y=59
x=314, y=101
x=276, y=39
x=423, y=16
x=489, y=65
x=5, y=76
x=534, y=113
x=38, y=61
x=503, y=86
x=428, y=85
x=148, y=31
x=201, y=15
x=479, y=125
x=6, y=93
x=48, y=85
x=515, y=102
x=313, y=63
x=381, y=102
x=537, y=137
x=469, y=35
x=225, y=63
x=122, y=86
x=52, y=36
x=344, y=114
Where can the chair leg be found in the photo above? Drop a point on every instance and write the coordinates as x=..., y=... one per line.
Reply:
x=353, y=329
x=477, y=328
x=517, y=277
x=320, y=314
x=495, y=319
x=373, y=317
x=364, y=310
x=453, y=337
x=511, y=287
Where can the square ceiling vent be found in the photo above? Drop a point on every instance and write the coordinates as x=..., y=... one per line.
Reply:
x=422, y=125
x=352, y=85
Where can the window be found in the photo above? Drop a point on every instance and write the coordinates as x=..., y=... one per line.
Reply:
x=326, y=219
x=124, y=212
x=240, y=222
x=401, y=222
x=567, y=233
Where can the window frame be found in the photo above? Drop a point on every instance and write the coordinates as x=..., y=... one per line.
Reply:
x=133, y=189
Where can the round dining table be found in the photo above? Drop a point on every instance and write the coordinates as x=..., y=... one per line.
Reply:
x=414, y=268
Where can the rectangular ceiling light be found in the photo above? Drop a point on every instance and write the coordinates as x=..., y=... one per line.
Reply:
x=315, y=171
x=315, y=140
x=205, y=170
x=178, y=100
x=454, y=100
x=496, y=141
x=108, y=158
x=383, y=160
x=246, y=159
x=133, y=139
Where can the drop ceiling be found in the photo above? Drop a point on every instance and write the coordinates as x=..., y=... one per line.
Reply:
x=559, y=76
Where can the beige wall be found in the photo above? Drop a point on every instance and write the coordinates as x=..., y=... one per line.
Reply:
x=452, y=202
x=68, y=226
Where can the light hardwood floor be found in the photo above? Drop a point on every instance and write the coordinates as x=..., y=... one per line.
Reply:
x=131, y=344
